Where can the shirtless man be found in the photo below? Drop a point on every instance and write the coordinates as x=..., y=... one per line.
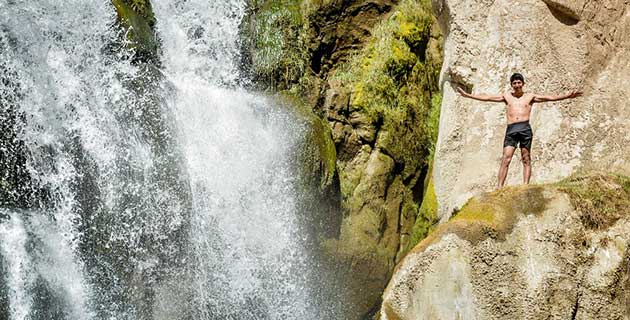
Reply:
x=519, y=132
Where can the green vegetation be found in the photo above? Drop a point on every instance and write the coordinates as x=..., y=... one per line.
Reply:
x=137, y=20
x=277, y=37
x=394, y=82
x=393, y=71
x=491, y=215
x=426, y=218
x=495, y=214
x=141, y=6
x=318, y=156
x=602, y=199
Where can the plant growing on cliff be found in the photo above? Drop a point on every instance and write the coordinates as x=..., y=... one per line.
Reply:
x=276, y=34
x=602, y=199
x=394, y=82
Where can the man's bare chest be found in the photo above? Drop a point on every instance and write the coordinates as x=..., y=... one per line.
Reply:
x=520, y=104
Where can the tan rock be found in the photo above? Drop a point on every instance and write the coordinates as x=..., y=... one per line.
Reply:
x=520, y=253
x=558, y=45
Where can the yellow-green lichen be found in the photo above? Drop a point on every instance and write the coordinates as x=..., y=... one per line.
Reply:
x=601, y=200
x=393, y=83
x=495, y=214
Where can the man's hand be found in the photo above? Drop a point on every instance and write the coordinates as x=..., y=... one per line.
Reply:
x=463, y=92
x=574, y=94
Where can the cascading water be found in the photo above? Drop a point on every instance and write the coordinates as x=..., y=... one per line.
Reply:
x=247, y=260
x=155, y=194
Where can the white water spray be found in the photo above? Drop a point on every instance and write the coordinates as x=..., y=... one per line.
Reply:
x=174, y=201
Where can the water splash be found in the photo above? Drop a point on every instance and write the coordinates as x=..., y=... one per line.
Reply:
x=165, y=194
x=238, y=146
x=19, y=277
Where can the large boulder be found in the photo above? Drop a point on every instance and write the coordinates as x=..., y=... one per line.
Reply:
x=558, y=45
x=557, y=251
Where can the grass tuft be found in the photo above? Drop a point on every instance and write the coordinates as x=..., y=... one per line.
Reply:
x=601, y=198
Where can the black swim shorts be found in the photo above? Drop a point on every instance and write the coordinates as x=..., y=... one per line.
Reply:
x=519, y=133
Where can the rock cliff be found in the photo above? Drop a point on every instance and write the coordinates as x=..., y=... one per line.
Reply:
x=369, y=69
x=557, y=251
x=558, y=45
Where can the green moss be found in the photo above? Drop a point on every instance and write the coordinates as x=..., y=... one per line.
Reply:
x=393, y=83
x=427, y=216
x=322, y=136
x=318, y=156
x=495, y=214
x=277, y=36
x=601, y=198
x=137, y=19
x=433, y=122
x=142, y=7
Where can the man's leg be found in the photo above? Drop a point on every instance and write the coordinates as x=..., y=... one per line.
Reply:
x=508, y=152
x=527, y=165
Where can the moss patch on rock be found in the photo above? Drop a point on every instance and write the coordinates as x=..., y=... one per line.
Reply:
x=393, y=80
x=138, y=22
x=393, y=83
x=426, y=219
x=275, y=38
x=498, y=209
x=427, y=216
x=601, y=198
x=318, y=156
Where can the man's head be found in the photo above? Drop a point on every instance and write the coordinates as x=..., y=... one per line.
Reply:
x=517, y=81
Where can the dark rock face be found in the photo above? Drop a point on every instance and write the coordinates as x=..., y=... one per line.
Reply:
x=15, y=181
x=340, y=28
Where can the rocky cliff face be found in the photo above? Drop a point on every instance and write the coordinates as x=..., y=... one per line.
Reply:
x=558, y=45
x=369, y=69
x=544, y=252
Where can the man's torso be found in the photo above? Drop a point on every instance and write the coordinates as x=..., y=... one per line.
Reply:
x=518, y=108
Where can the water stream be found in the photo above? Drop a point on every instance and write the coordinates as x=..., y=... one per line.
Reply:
x=157, y=194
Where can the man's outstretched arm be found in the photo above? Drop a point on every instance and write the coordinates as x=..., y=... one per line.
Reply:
x=481, y=97
x=546, y=98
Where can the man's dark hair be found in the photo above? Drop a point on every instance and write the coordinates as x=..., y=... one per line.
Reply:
x=517, y=76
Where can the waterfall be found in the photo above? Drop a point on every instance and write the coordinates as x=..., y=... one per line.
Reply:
x=248, y=263
x=153, y=194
